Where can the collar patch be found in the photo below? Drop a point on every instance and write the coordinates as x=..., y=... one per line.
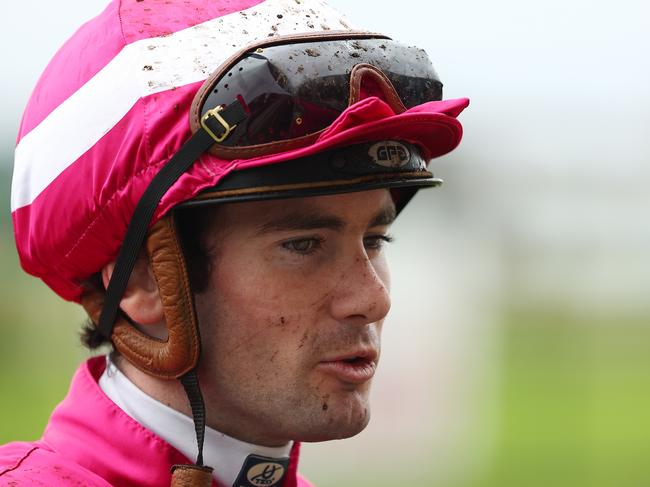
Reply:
x=259, y=471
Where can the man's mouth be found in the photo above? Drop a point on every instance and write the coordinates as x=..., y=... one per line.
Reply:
x=355, y=368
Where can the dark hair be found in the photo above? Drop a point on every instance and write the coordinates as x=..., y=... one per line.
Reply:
x=191, y=225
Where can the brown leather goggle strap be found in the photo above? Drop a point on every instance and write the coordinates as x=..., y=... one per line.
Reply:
x=165, y=359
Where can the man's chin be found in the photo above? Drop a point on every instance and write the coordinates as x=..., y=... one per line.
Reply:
x=337, y=422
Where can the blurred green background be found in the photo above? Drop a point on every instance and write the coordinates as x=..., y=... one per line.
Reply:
x=516, y=352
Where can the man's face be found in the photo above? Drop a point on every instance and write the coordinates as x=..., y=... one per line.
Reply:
x=292, y=317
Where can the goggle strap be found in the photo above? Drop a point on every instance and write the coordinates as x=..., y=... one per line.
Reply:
x=219, y=124
x=136, y=232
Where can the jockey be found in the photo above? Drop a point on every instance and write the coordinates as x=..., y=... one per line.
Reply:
x=214, y=181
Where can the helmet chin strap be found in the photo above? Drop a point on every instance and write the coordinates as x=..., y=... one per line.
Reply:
x=178, y=356
x=197, y=475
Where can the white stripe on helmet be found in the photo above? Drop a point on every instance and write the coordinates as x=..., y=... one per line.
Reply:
x=185, y=57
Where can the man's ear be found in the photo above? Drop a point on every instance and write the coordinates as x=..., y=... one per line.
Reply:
x=141, y=300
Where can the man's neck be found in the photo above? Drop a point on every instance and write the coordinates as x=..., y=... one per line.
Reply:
x=171, y=419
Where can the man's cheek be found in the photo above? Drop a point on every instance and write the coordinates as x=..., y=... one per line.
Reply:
x=270, y=338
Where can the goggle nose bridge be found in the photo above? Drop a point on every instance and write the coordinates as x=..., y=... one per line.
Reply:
x=368, y=80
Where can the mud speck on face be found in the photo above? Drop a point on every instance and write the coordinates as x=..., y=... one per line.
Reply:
x=280, y=322
x=325, y=398
x=303, y=340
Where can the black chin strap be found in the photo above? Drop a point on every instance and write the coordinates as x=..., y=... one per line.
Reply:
x=190, y=383
x=200, y=142
x=213, y=129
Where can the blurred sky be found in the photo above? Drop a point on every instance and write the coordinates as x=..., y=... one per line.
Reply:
x=546, y=199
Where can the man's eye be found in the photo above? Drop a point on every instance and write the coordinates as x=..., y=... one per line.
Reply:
x=376, y=242
x=303, y=246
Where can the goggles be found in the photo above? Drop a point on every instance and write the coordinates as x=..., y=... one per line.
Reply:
x=293, y=88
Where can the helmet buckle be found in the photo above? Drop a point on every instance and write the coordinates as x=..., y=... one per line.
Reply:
x=210, y=117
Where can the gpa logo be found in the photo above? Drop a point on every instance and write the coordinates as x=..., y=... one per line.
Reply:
x=259, y=471
x=389, y=154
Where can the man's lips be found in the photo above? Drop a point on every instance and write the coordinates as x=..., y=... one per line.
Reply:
x=356, y=367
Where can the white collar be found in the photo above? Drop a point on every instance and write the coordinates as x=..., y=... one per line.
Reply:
x=226, y=454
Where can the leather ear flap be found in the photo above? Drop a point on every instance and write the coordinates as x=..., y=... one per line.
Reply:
x=367, y=80
x=171, y=358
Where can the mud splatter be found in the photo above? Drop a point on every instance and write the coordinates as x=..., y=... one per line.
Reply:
x=303, y=340
x=325, y=399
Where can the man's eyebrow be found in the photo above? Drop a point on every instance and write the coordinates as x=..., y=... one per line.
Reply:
x=385, y=217
x=301, y=221
x=312, y=220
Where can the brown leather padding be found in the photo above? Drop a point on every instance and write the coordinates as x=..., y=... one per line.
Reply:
x=191, y=476
x=171, y=358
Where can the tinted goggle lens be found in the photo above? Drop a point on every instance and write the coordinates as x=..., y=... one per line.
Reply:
x=298, y=89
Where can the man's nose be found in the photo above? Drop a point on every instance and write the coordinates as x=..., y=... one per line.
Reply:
x=362, y=295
